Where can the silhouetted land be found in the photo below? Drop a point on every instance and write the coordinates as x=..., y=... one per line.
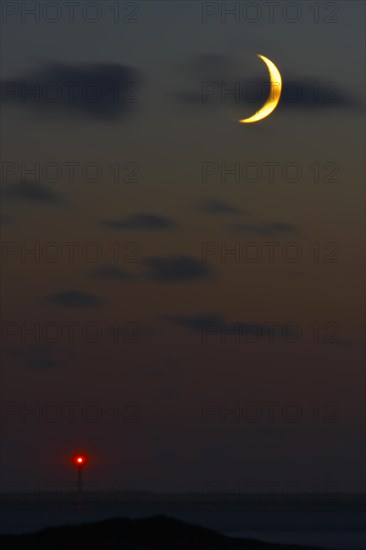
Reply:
x=156, y=533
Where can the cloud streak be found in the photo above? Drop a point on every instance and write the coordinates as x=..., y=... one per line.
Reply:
x=140, y=222
x=214, y=206
x=32, y=192
x=216, y=82
x=100, y=91
x=174, y=269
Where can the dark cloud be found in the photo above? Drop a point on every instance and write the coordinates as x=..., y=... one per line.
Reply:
x=219, y=323
x=266, y=229
x=311, y=93
x=172, y=269
x=140, y=221
x=213, y=206
x=32, y=192
x=74, y=299
x=104, y=91
x=214, y=78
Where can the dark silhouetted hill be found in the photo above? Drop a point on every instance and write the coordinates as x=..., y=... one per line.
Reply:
x=156, y=533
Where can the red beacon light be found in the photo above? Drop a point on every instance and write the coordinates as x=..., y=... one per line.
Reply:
x=79, y=460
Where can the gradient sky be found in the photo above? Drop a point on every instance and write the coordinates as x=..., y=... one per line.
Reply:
x=162, y=440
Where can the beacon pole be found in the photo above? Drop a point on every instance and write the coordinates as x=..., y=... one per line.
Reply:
x=79, y=461
x=80, y=479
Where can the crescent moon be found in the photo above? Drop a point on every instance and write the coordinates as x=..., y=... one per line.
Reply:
x=274, y=94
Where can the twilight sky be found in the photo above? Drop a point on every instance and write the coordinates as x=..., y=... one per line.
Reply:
x=170, y=360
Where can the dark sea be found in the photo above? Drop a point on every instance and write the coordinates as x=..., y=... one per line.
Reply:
x=330, y=526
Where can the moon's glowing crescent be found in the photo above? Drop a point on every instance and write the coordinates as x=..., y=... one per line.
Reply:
x=274, y=94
